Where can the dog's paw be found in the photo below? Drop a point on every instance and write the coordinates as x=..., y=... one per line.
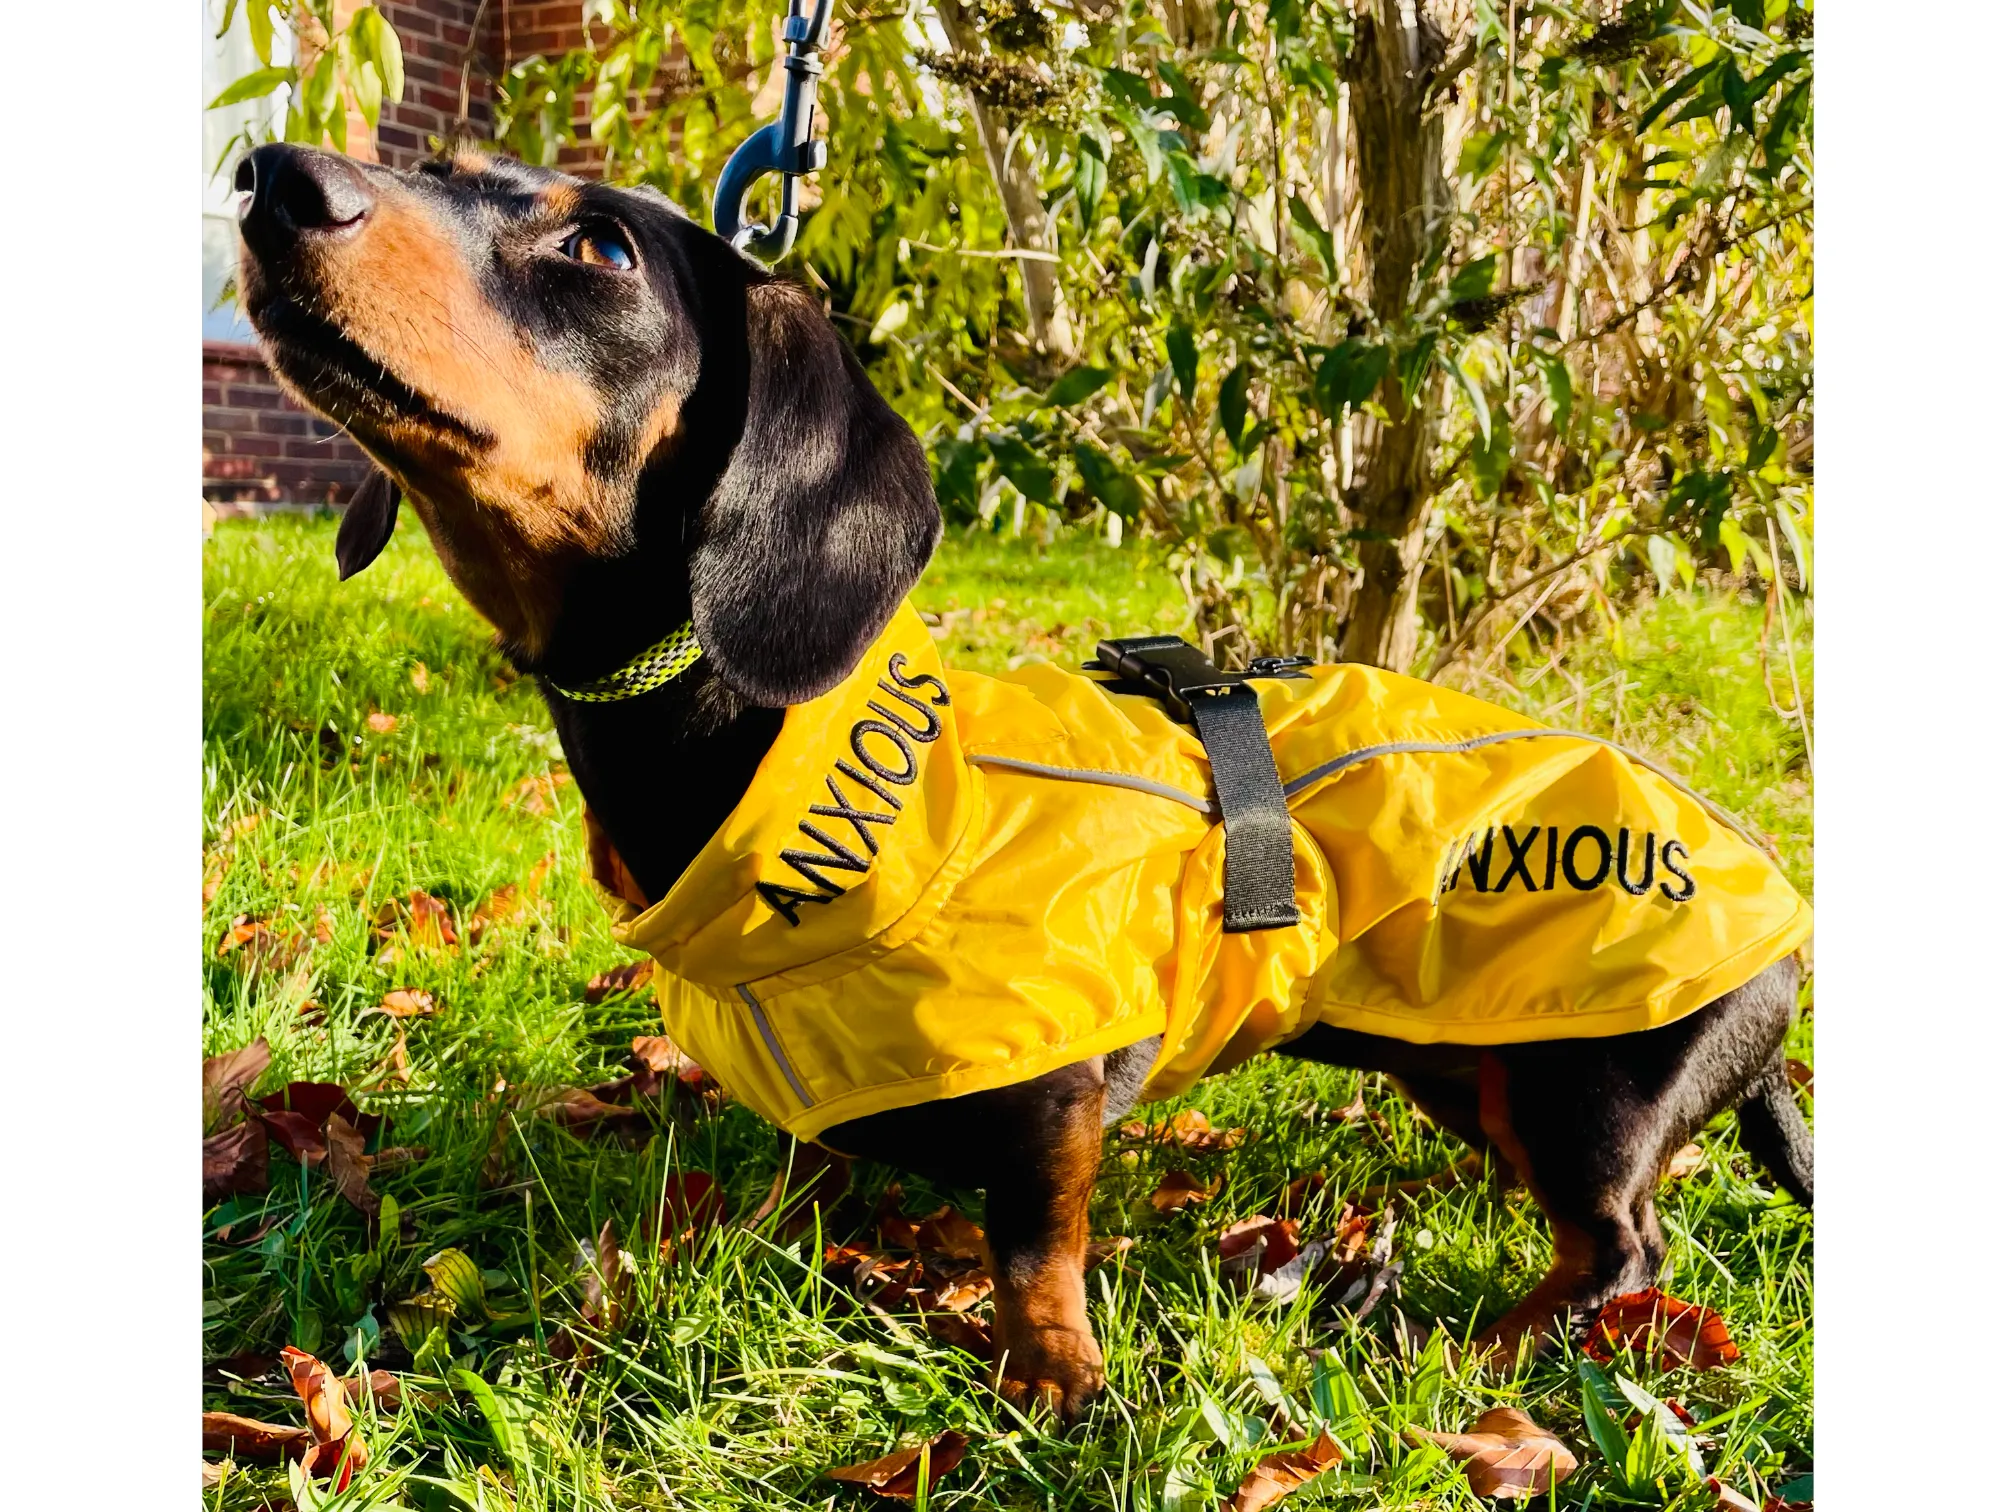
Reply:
x=1056, y=1368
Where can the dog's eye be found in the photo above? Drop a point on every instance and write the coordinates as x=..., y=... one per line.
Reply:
x=601, y=248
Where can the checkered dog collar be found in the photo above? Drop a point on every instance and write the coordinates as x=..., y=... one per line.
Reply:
x=653, y=667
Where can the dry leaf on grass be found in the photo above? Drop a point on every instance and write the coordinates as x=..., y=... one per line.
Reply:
x=1190, y=1129
x=1278, y=1474
x=963, y=1331
x=227, y=1077
x=950, y=1232
x=691, y=1205
x=334, y=1450
x=537, y=795
x=1686, y=1333
x=1506, y=1453
x=1799, y=1074
x=1685, y=1162
x=811, y=1179
x=896, y=1475
x=605, y=1282
x=578, y=1109
x=406, y=1002
x=234, y=1161
x=632, y=978
x=248, y=1438
x=214, y=1472
x=1179, y=1189
x=380, y=723
x=349, y=1166
x=1099, y=1251
x=1729, y=1499
x=296, y=1135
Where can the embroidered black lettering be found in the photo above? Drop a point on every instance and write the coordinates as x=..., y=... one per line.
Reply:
x=932, y=723
x=1643, y=885
x=1666, y=853
x=787, y=900
x=840, y=808
x=1553, y=855
x=1516, y=863
x=1575, y=878
x=898, y=661
x=835, y=855
x=1479, y=862
x=846, y=769
x=903, y=777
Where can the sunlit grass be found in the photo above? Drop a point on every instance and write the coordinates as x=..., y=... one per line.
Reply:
x=743, y=1375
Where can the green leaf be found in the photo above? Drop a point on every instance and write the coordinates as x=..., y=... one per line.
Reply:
x=259, y=22
x=1350, y=373
x=1088, y=182
x=1678, y=92
x=1481, y=153
x=1119, y=491
x=1078, y=385
x=1560, y=388
x=365, y=85
x=1182, y=349
x=378, y=43
x=508, y=1435
x=1802, y=549
x=230, y=10
x=1033, y=477
x=1491, y=453
x=958, y=486
x=1791, y=110
x=1763, y=443
x=1232, y=405
x=1474, y=279
x=388, y=1230
x=1414, y=365
x=1181, y=102
x=1310, y=235
x=456, y=1277
x=1130, y=87
x=1473, y=394
x=253, y=86
x=1604, y=1430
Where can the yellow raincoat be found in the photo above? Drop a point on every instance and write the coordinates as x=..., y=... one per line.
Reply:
x=941, y=882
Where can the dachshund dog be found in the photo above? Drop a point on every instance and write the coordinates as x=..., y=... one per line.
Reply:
x=613, y=425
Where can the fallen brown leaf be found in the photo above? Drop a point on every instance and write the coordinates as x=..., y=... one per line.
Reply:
x=406, y=1002
x=428, y=924
x=1190, y=1130
x=605, y=1285
x=1506, y=1453
x=214, y=1472
x=578, y=1108
x=297, y=1136
x=227, y=1077
x=381, y=1386
x=1099, y=1251
x=1300, y=1192
x=234, y=1161
x=632, y=978
x=381, y=724
x=1799, y=1074
x=1278, y=1241
x=1686, y=1333
x=1179, y=1189
x=349, y=1166
x=1685, y=1162
x=809, y=1179
x=691, y=1204
x=537, y=794
x=314, y=1101
x=418, y=674
x=1729, y=1499
x=950, y=1232
x=1278, y=1474
x=897, y=1475
x=963, y=1331
x=335, y=1450
x=656, y=1052
x=253, y=1440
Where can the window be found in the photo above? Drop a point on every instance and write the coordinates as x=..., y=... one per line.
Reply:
x=224, y=59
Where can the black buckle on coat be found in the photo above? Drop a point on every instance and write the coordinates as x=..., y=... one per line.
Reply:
x=1259, y=844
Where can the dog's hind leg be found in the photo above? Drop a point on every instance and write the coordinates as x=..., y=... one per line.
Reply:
x=1773, y=1130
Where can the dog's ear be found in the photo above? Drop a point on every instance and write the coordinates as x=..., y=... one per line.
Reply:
x=822, y=520
x=367, y=524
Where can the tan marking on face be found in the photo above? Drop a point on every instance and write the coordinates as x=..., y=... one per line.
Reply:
x=470, y=160
x=508, y=519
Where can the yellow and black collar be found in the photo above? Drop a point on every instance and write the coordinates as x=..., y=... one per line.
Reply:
x=653, y=667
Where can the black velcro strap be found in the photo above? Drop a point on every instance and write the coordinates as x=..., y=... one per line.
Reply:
x=1259, y=847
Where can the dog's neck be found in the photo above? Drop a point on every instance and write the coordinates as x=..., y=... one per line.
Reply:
x=663, y=770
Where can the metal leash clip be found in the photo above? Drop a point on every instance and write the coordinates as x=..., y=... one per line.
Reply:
x=784, y=146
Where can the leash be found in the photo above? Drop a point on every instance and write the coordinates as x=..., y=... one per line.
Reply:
x=1259, y=844
x=785, y=146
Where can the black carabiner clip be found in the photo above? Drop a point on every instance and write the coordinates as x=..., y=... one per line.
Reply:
x=784, y=146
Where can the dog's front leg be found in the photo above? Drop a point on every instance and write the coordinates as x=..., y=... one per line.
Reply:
x=1037, y=1223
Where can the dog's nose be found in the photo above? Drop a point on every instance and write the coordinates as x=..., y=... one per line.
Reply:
x=293, y=191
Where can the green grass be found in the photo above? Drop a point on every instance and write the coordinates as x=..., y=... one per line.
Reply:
x=744, y=1375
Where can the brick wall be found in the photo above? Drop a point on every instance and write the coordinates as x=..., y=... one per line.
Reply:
x=259, y=449
x=440, y=37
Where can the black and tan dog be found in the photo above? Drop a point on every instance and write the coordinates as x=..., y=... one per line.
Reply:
x=612, y=424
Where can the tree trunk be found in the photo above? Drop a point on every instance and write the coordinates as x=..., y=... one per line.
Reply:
x=1404, y=202
x=1029, y=228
